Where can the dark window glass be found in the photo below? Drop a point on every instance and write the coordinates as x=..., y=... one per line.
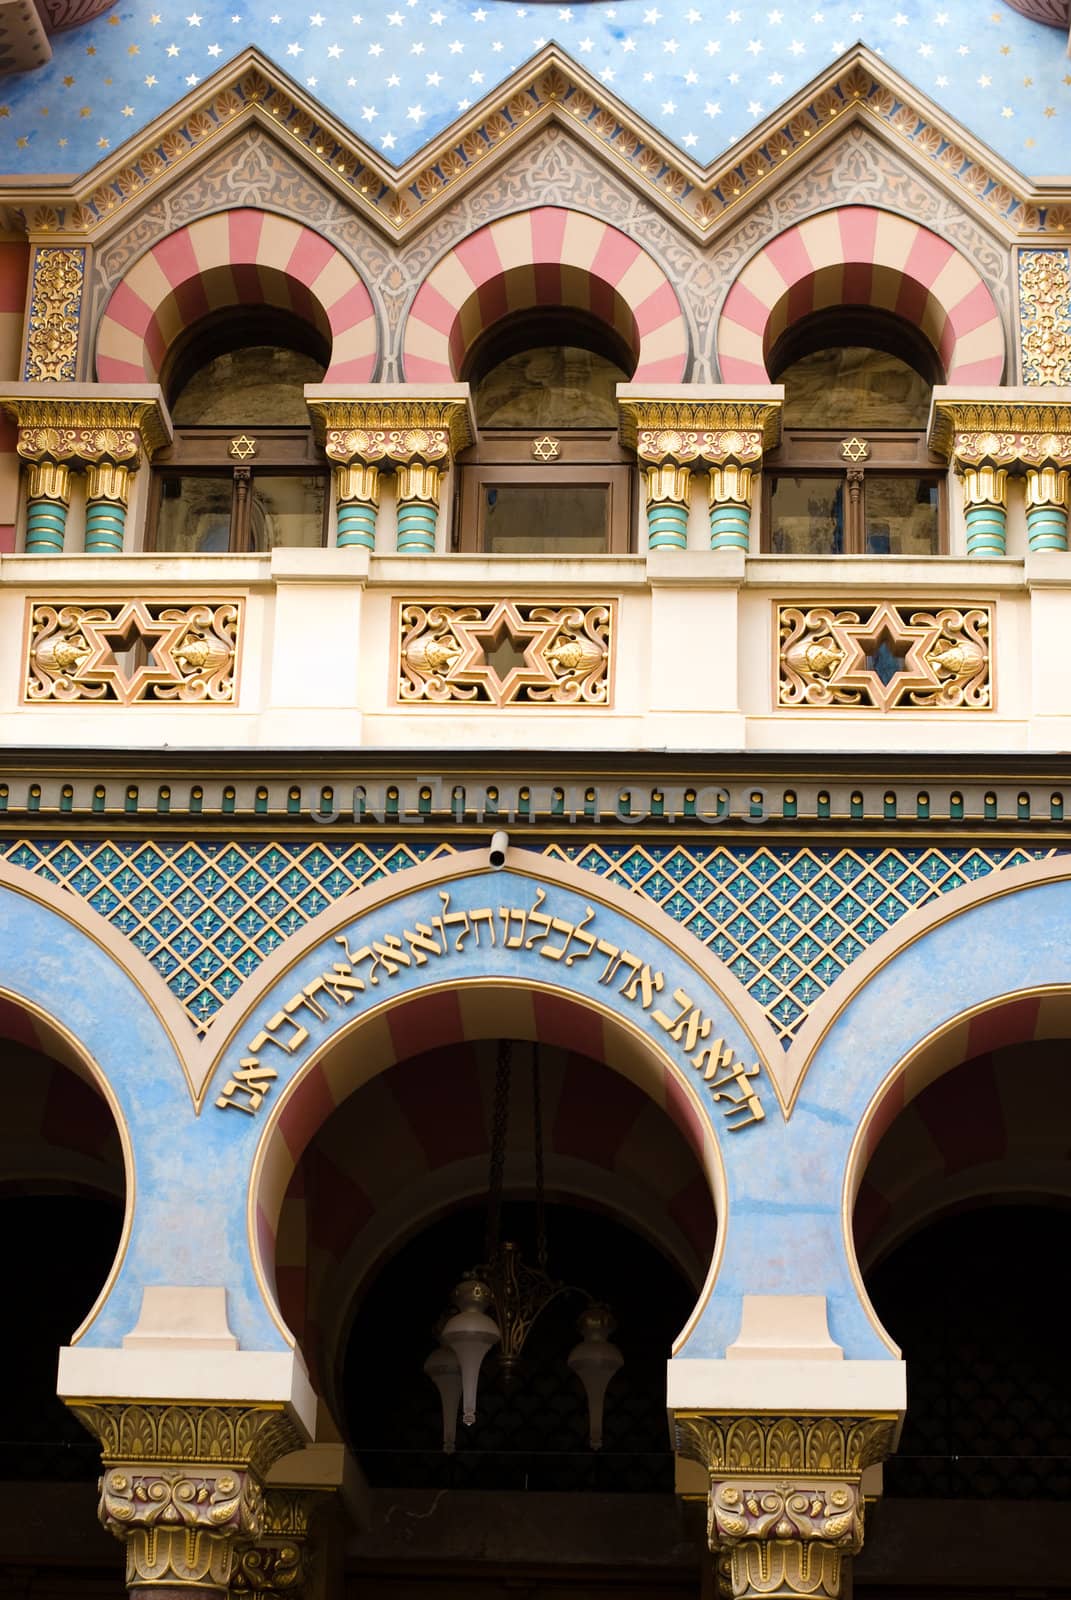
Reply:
x=538, y=518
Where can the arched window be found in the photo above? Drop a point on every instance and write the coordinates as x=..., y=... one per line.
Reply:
x=243, y=472
x=853, y=474
x=548, y=475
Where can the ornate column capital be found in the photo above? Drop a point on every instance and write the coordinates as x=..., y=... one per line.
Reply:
x=276, y=1564
x=391, y=425
x=1013, y=433
x=183, y=1484
x=785, y=1501
x=690, y=428
x=84, y=427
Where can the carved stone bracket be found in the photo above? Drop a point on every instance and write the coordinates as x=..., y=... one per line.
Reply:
x=122, y=651
x=701, y=431
x=87, y=431
x=1016, y=434
x=397, y=431
x=785, y=1504
x=182, y=1485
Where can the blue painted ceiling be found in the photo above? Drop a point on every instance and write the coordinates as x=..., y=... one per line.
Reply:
x=399, y=71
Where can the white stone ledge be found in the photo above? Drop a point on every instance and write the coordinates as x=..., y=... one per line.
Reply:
x=237, y=1377
x=887, y=575
x=865, y=1387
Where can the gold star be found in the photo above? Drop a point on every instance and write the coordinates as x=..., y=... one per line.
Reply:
x=1005, y=49
x=91, y=49
x=133, y=50
x=155, y=19
x=150, y=80
x=5, y=111
x=994, y=16
x=1067, y=77
x=1050, y=111
x=1030, y=143
x=113, y=21
x=1028, y=83
x=128, y=111
x=44, y=111
x=68, y=81
x=62, y=143
x=108, y=80
x=22, y=142
x=102, y=144
x=85, y=112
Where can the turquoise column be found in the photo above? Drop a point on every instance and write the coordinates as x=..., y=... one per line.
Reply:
x=107, y=490
x=668, y=488
x=731, y=488
x=1046, y=508
x=985, y=500
x=419, y=486
x=48, y=501
x=357, y=504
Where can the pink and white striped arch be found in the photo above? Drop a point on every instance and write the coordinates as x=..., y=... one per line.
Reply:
x=236, y=258
x=860, y=256
x=546, y=257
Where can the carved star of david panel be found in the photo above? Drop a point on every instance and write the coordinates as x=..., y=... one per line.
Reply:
x=505, y=652
x=885, y=656
x=129, y=650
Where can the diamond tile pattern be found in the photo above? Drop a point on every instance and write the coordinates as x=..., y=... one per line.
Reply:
x=786, y=921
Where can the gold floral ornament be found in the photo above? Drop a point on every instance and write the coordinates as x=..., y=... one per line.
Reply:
x=505, y=652
x=1045, y=315
x=884, y=657
x=55, y=309
x=125, y=651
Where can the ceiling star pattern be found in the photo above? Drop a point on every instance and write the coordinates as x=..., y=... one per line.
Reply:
x=885, y=657
x=703, y=75
x=506, y=653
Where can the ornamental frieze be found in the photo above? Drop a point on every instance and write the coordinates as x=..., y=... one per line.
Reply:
x=882, y=656
x=505, y=652
x=392, y=429
x=125, y=651
x=687, y=430
x=1045, y=315
x=1022, y=432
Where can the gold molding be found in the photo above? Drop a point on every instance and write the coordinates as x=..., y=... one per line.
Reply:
x=820, y=1445
x=1009, y=432
x=402, y=429
x=66, y=428
x=549, y=87
x=686, y=430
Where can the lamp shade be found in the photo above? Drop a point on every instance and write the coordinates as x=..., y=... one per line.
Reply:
x=470, y=1333
x=444, y=1372
x=595, y=1360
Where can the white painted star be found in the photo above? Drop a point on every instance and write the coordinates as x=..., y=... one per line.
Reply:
x=479, y=15
x=463, y=105
x=586, y=46
x=754, y=108
x=689, y=141
x=691, y=76
x=417, y=49
x=564, y=14
x=316, y=20
x=773, y=18
x=693, y=16
x=334, y=51
x=963, y=50
x=436, y=19
x=670, y=47
x=312, y=82
x=925, y=49
x=607, y=74
x=797, y=47
x=215, y=50
x=652, y=16
x=628, y=46
x=899, y=21
x=393, y=81
x=476, y=77
x=172, y=49
x=775, y=78
x=193, y=20
x=192, y=78
x=668, y=107
x=388, y=141
x=433, y=80
x=295, y=49
x=369, y=113
x=941, y=19
x=712, y=47
x=941, y=81
x=395, y=19
x=415, y=113
x=984, y=81
x=1006, y=111
x=755, y=47
x=375, y=49
x=712, y=108
x=455, y=47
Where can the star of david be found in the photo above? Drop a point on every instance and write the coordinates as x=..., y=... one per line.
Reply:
x=546, y=449
x=854, y=449
x=907, y=642
x=243, y=447
x=502, y=639
x=133, y=625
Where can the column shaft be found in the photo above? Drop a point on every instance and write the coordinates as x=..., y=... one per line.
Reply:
x=418, y=507
x=357, y=500
x=668, y=488
x=107, y=488
x=49, y=496
x=985, y=498
x=731, y=488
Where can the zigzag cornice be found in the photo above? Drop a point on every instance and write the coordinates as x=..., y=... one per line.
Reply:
x=550, y=87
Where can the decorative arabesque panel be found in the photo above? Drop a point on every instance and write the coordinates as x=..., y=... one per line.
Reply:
x=885, y=656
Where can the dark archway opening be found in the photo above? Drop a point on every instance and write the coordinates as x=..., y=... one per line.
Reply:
x=530, y=1435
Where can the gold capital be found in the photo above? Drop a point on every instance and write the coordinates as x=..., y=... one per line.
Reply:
x=418, y=481
x=357, y=482
x=731, y=485
x=668, y=484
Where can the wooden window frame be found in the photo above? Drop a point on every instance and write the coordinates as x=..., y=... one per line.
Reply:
x=206, y=452
x=586, y=456
x=818, y=453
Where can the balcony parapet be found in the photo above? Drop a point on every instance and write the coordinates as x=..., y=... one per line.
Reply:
x=718, y=428
x=986, y=438
x=413, y=429
x=102, y=430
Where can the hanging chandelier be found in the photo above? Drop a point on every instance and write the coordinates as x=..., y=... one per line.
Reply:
x=499, y=1302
